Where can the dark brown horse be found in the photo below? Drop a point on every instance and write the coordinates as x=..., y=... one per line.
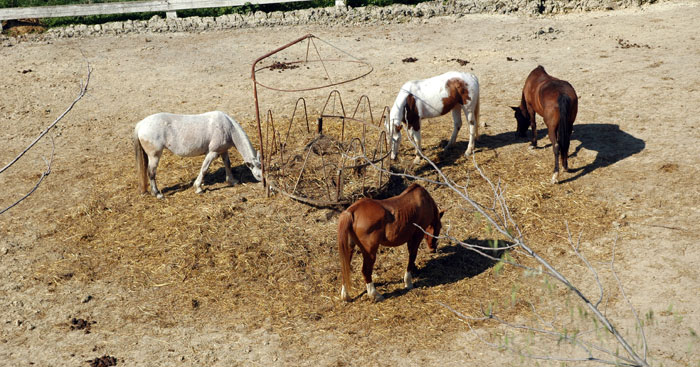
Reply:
x=369, y=223
x=556, y=101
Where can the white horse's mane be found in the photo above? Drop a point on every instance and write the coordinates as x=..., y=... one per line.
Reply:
x=240, y=139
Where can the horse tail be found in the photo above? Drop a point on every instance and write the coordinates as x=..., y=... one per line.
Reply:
x=564, y=130
x=345, y=246
x=141, y=163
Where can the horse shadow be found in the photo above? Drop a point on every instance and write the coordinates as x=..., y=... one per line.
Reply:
x=454, y=263
x=610, y=142
x=241, y=173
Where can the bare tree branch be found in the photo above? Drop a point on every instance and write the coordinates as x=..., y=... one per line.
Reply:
x=36, y=186
x=499, y=216
x=83, y=90
x=619, y=284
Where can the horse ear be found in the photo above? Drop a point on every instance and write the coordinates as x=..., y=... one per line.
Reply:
x=441, y=212
x=515, y=108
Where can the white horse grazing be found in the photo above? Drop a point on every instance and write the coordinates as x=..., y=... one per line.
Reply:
x=211, y=133
x=453, y=91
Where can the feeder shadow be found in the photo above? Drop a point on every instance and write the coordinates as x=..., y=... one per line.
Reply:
x=394, y=187
x=452, y=264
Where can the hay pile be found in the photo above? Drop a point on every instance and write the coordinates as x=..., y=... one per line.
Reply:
x=246, y=258
x=332, y=166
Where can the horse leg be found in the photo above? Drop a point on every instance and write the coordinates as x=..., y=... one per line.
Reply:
x=227, y=166
x=457, y=124
x=411, y=268
x=205, y=166
x=152, y=166
x=533, y=125
x=473, y=129
x=555, y=148
x=351, y=246
x=368, y=259
x=416, y=139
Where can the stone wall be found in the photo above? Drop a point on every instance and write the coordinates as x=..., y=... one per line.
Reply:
x=344, y=16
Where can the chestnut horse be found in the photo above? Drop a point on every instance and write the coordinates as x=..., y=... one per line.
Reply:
x=556, y=101
x=369, y=223
x=453, y=91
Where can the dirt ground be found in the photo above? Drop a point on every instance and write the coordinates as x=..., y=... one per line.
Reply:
x=89, y=268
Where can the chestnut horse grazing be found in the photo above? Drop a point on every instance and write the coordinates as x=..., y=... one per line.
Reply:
x=556, y=101
x=453, y=91
x=369, y=223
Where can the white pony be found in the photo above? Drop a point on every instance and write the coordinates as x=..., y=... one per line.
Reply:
x=211, y=133
x=453, y=91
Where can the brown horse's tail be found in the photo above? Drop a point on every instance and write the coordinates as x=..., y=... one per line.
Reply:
x=141, y=163
x=345, y=246
x=564, y=129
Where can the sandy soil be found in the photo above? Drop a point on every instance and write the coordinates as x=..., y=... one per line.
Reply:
x=638, y=77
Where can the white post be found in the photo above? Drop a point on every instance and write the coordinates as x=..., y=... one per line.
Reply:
x=171, y=15
x=339, y=3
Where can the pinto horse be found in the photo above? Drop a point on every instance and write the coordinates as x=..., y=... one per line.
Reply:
x=556, y=101
x=418, y=99
x=210, y=134
x=369, y=223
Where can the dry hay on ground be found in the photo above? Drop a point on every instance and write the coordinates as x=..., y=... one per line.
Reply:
x=330, y=167
x=235, y=253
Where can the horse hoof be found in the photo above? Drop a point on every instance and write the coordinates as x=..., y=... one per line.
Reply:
x=378, y=298
x=198, y=190
x=159, y=196
x=344, y=295
x=555, y=179
x=416, y=160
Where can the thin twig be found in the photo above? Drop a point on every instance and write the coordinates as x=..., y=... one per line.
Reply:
x=36, y=186
x=500, y=218
x=624, y=295
x=83, y=90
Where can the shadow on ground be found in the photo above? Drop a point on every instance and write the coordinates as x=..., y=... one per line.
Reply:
x=453, y=263
x=240, y=173
x=611, y=144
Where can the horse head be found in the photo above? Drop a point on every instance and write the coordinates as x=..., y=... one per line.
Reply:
x=523, y=121
x=255, y=167
x=433, y=232
x=393, y=130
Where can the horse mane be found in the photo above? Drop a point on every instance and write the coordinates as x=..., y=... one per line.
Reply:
x=241, y=140
x=400, y=211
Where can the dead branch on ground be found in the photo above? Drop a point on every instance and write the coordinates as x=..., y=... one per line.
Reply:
x=49, y=161
x=499, y=215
